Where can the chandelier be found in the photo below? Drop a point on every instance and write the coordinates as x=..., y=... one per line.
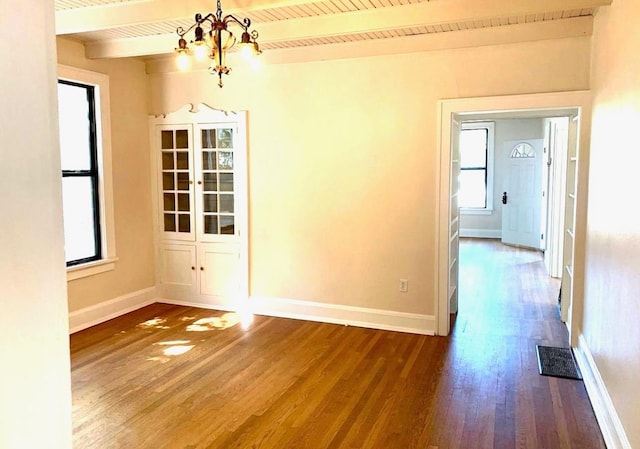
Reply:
x=215, y=42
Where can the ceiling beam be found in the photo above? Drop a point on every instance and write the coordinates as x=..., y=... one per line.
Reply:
x=509, y=34
x=552, y=29
x=124, y=14
x=132, y=47
x=411, y=15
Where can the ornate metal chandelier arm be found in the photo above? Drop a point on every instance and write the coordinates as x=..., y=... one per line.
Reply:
x=243, y=23
x=181, y=31
x=199, y=20
x=211, y=18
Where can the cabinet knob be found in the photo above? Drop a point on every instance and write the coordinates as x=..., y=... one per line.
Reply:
x=201, y=268
x=193, y=268
x=199, y=183
x=190, y=181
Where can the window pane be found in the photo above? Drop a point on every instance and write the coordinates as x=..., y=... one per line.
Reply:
x=473, y=148
x=169, y=222
x=226, y=182
x=167, y=181
x=169, y=202
x=473, y=189
x=226, y=203
x=523, y=150
x=75, y=141
x=183, y=181
x=183, y=202
x=210, y=203
x=167, y=140
x=227, y=225
x=182, y=160
x=225, y=160
x=210, y=224
x=167, y=160
x=210, y=182
x=79, y=226
x=208, y=138
x=208, y=160
x=184, y=223
x=182, y=139
x=225, y=138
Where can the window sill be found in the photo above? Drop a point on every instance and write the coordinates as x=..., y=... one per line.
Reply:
x=476, y=211
x=91, y=268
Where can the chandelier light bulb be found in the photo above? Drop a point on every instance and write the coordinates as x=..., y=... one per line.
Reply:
x=200, y=51
x=247, y=53
x=182, y=61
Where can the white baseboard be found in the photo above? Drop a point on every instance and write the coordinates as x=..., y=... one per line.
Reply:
x=327, y=313
x=99, y=313
x=346, y=315
x=610, y=424
x=481, y=233
x=199, y=304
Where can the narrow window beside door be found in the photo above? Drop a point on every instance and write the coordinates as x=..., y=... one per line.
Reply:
x=80, y=183
x=476, y=167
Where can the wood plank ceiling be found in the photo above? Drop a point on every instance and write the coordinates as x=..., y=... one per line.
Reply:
x=142, y=28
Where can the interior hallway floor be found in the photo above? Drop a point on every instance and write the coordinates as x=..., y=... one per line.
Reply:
x=508, y=304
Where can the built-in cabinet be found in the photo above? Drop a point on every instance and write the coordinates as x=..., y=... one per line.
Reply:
x=199, y=161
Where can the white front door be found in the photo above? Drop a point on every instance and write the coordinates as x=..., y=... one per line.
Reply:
x=521, y=198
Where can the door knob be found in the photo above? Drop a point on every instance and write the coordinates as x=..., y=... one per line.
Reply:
x=504, y=198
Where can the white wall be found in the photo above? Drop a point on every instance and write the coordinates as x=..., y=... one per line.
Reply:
x=134, y=270
x=505, y=130
x=343, y=157
x=35, y=392
x=611, y=316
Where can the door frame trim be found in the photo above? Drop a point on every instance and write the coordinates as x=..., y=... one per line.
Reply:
x=451, y=109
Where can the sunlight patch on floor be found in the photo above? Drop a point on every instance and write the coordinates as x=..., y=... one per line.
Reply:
x=171, y=348
x=177, y=350
x=155, y=323
x=173, y=342
x=223, y=322
x=158, y=359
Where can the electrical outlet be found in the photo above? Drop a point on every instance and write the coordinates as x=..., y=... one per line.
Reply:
x=404, y=285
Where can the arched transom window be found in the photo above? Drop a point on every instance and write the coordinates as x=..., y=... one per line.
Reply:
x=523, y=150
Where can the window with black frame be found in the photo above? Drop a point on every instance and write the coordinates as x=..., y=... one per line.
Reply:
x=474, y=156
x=80, y=183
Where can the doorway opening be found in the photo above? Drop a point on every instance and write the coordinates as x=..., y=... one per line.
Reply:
x=557, y=214
x=505, y=290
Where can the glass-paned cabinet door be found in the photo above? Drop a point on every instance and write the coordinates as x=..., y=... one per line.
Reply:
x=175, y=167
x=216, y=189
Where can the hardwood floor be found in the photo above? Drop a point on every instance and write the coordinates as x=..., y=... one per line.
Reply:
x=178, y=377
